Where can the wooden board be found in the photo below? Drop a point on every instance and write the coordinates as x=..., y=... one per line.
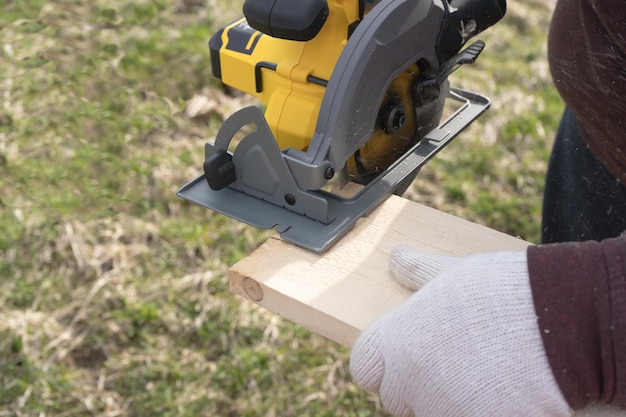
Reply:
x=338, y=293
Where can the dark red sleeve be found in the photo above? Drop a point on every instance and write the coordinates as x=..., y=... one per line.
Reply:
x=587, y=54
x=579, y=291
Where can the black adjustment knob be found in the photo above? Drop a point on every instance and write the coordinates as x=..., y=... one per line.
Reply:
x=219, y=170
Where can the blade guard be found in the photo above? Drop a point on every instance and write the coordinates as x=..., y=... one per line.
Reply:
x=265, y=192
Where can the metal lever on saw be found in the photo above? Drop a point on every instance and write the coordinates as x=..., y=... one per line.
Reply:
x=429, y=89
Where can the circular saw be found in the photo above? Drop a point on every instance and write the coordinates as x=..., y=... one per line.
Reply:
x=352, y=90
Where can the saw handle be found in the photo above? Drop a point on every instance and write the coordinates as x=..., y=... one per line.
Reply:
x=467, y=19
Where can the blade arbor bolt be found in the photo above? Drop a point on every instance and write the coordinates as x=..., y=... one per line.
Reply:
x=394, y=118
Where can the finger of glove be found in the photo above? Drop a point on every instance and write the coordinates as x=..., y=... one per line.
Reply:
x=366, y=359
x=415, y=269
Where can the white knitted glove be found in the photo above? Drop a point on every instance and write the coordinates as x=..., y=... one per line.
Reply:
x=466, y=344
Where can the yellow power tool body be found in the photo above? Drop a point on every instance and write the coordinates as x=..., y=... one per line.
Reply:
x=350, y=86
x=289, y=77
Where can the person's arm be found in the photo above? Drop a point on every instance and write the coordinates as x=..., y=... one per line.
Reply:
x=579, y=291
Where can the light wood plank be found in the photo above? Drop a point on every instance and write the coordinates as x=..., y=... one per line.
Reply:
x=337, y=294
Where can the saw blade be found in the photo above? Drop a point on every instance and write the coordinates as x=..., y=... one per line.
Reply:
x=399, y=126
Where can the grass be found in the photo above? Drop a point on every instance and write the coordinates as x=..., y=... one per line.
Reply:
x=114, y=298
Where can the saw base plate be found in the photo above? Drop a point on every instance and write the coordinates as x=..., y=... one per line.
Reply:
x=343, y=212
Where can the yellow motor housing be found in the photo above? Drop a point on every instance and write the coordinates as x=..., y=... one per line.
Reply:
x=288, y=76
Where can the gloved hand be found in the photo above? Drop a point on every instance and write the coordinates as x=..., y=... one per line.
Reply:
x=466, y=344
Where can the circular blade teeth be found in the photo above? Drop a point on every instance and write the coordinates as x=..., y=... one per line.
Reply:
x=395, y=131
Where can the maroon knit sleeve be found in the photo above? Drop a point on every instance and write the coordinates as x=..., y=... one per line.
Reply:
x=587, y=53
x=579, y=290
